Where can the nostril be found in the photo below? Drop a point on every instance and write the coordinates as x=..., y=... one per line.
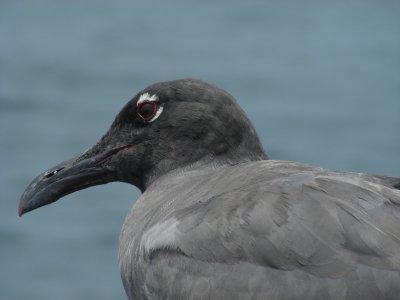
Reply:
x=49, y=174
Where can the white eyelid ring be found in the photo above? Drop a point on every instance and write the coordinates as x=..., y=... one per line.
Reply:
x=144, y=99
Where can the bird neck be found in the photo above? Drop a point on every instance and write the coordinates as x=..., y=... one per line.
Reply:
x=208, y=162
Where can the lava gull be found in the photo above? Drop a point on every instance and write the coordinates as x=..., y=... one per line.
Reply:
x=217, y=220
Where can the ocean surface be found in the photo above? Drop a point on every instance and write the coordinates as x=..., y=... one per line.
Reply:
x=319, y=79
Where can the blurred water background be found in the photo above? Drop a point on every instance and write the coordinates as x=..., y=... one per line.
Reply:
x=319, y=79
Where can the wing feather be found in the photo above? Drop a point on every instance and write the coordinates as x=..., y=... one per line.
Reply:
x=325, y=224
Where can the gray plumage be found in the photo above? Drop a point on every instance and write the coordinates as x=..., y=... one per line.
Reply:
x=218, y=220
x=263, y=230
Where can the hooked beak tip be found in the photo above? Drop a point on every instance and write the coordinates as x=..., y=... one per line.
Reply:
x=20, y=210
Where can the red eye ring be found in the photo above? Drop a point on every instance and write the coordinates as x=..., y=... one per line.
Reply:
x=146, y=110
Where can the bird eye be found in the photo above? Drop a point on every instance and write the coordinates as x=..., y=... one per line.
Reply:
x=146, y=110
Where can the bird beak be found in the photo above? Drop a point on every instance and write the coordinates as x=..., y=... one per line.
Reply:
x=67, y=177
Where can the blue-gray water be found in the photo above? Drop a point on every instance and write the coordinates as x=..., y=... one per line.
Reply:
x=319, y=79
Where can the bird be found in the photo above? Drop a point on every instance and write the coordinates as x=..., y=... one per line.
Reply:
x=218, y=219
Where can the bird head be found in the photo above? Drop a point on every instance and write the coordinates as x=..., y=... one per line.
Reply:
x=166, y=126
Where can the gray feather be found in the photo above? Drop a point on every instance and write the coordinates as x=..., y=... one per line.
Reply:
x=265, y=230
